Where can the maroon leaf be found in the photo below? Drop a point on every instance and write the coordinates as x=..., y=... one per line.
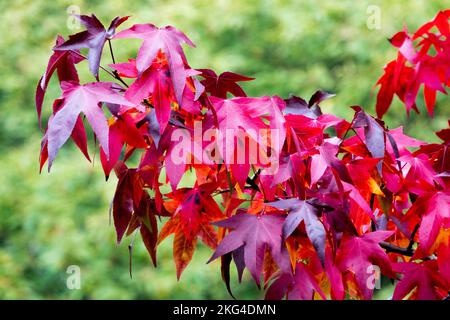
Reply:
x=63, y=62
x=149, y=227
x=219, y=86
x=300, y=286
x=373, y=133
x=127, y=197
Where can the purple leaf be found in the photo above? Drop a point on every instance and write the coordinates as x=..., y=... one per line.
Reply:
x=255, y=234
x=300, y=286
x=93, y=38
x=373, y=132
x=303, y=211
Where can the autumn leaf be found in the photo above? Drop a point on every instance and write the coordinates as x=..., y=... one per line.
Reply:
x=255, y=233
x=434, y=209
x=86, y=99
x=423, y=279
x=93, y=38
x=219, y=86
x=169, y=40
x=300, y=286
x=302, y=211
x=183, y=250
x=63, y=62
x=357, y=254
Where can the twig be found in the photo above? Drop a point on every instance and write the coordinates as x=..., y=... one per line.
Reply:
x=413, y=234
x=389, y=247
x=408, y=251
x=111, y=51
x=130, y=252
x=113, y=74
x=228, y=190
x=230, y=185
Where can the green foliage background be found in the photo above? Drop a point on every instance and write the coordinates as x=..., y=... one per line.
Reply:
x=48, y=222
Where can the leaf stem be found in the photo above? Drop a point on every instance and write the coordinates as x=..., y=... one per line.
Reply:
x=113, y=74
x=111, y=51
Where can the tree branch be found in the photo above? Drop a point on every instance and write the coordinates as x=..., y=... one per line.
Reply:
x=413, y=234
x=389, y=247
x=408, y=251
x=111, y=51
x=113, y=74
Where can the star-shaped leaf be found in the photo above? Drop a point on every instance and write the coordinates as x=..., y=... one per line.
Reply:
x=86, y=99
x=93, y=38
x=357, y=254
x=423, y=279
x=303, y=211
x=63, y=62
x=169, y=40
x=300, y=286
x=434, y=208
x=255, y=233
x=219, y=86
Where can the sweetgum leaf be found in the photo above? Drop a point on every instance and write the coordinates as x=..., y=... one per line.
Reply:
x=373, y=133
x=63, y=62
x=169, y=40
x=303, y=211
x=219, y=86
x=434, y=208
x=422, y=278
x=300, y=286
x=255, y=233
x=357, y=254
x=93, y=38
x=86, y=99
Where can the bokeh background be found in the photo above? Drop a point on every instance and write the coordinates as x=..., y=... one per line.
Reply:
x=51, y=221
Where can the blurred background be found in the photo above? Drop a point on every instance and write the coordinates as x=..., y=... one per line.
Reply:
x=51, y=221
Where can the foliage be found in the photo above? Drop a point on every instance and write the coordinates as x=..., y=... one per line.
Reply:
x=42, y=233
x=323, y=200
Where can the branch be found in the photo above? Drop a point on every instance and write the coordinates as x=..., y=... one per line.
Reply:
x=389, y=247
x=228, y=190
x=111, y=51
x=413, y=234
x=408, y=251
x=113, y=74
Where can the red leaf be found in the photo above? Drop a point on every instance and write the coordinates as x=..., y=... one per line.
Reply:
x=82, y=98
x=167, y=39
x=423, y=278
x=183, y=250
x=62, y=62
x=434, y=208
x=357, y=254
